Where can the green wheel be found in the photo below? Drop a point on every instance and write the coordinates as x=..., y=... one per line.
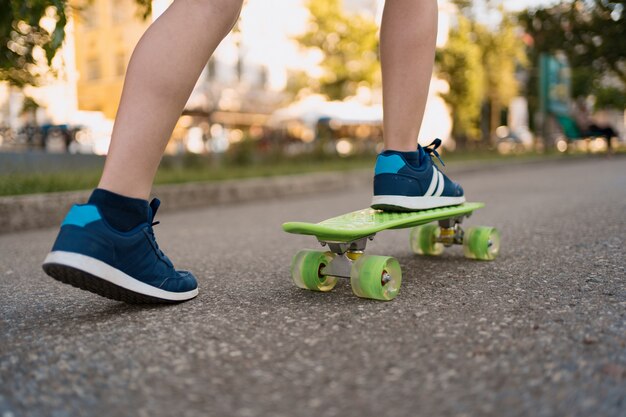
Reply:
x=376, y=277
x=306, y=271
x=482, y=243
x=424, y=240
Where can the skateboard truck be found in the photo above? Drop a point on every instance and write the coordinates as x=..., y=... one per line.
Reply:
x=451, y=232
x=346, y=253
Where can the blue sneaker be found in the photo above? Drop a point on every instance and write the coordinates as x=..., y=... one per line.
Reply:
x=401, y=186
x=125, y=266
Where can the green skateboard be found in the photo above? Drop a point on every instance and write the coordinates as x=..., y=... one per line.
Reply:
x=379, y=277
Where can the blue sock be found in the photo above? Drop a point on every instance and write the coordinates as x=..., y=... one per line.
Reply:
x=122, y=213
x=413, y=158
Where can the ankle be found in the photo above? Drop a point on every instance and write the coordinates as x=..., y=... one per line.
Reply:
x=120, y=212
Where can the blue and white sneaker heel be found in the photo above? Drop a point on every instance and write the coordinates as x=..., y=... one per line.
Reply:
x=399, y=186
x=124, y=266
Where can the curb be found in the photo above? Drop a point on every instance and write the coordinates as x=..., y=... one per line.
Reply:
x=34, y=211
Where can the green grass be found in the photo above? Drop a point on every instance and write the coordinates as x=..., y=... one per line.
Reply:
x=197, y=170
x=32, y=183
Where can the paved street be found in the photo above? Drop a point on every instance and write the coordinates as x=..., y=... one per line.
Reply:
x=539, y=332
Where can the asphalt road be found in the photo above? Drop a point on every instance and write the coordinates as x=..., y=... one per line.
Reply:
x=541, y=331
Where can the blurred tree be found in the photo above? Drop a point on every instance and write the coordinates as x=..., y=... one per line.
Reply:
x=503, y=53
x=480, y=64
x=609, y=97
x=349, y=43
x=31, y=32
x=591, y=33
x=30, y=105
x=460, y=64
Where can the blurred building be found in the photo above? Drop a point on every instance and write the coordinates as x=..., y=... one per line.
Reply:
x=106, y=32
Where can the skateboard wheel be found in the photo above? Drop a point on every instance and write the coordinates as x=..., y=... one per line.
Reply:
x=424, y=240
x=306, y=271
x=376, y=277
x=482, y=243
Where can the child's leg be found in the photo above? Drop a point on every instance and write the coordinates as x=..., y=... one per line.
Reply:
x=107, y=246
x=407, y=52
x=405, y=177
x=161, y=75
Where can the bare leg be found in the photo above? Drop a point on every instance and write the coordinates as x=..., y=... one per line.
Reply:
x=407, y=50
x=162, y=72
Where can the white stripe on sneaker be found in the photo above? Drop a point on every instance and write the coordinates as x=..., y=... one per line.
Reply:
x=433, y=183
x=441, y=184
x=113, y=275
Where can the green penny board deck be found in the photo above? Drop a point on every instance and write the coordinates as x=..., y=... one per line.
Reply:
x=362, y=223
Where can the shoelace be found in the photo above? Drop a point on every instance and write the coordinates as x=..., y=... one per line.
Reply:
x=153, y=238
x=154, y=206
x=432, y=150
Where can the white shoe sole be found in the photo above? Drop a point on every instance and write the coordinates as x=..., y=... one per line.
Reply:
x=98, y=277
x=384, y=202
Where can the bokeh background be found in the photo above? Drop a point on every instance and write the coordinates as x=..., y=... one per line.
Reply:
x=297, y=86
